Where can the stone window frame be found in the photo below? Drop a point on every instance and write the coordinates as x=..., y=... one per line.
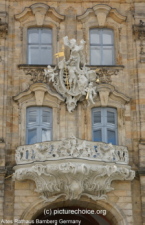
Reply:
x=104, y=125
x=101, y=46
x=102, y=16
x=116, y=41
x=38, y=125
x=38, y=94
x=107, y=96
x=39, y=15
x=120, y=111
x=39, y=45
x=49, y=25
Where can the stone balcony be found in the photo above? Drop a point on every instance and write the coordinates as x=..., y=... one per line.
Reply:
x=72, y=168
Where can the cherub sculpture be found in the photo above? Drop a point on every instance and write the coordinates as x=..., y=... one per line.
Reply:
x=91, y=93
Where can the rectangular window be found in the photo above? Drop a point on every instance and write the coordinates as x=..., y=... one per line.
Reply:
x=40, y=46
x=39, y=124
x=104, y=125
x=101, y=47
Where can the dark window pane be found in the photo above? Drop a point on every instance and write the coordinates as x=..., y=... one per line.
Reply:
x=46, y=117
x=33, y=36
x=33, y=54
x=46, y=55
x=97, y=135
x=108, y=55
x=32, y=136
x=32, y=117
x=107, y=36
x=110, y=117
x=111, y=137
x=95, y=55
x=95, y=36
x=97, y=117
x=46, y=36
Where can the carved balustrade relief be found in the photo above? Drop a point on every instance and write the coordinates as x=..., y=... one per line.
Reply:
x=72, y=168
x=72, y=148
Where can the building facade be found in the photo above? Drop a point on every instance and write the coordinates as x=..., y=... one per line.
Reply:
x=72, y=135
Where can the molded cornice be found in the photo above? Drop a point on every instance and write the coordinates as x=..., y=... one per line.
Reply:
x=40, y=10
x=102, y=11
x=37, y=89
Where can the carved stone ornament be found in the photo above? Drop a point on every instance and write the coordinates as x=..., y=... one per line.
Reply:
x=3, y=29
x=71, y=148
x=139, y=30
x=71, y=81
x=40, y=11
x=104, y=75
x=37, y=75
x=73, y=179
x=102, y=12
x=139, y=33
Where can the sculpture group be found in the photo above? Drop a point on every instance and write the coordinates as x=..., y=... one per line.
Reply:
x=71, y=78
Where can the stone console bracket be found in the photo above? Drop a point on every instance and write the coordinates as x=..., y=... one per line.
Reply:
x=73, y=180
x=139, y=33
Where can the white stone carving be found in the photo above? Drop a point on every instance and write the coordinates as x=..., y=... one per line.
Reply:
x=71, y=148
x=73, y=180
x=71, y=81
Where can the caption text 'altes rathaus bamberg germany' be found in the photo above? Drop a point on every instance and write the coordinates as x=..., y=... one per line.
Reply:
x=72, y=112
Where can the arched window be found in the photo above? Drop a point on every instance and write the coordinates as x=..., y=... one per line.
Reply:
x=39, y=46
x=104, y=125
x=101, y=47
x=39, y=124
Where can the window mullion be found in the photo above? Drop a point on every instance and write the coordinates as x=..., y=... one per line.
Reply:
x=101, y=42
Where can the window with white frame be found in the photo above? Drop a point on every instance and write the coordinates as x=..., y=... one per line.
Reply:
x=38, y=125
x=102, y=47
x=40, y=46
x=104, y=125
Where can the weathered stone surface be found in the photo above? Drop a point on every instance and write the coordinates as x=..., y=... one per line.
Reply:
x=124, y=91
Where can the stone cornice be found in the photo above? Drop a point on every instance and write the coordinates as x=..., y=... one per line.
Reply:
x=108, y=91
x=40, y=11
x=37, y=89
x=102, y=11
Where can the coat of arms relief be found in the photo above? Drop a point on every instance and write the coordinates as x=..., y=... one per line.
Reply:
x=72, y=81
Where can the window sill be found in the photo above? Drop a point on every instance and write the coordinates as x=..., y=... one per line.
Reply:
x=119, y=67
x=21, y=66
x=31, y=66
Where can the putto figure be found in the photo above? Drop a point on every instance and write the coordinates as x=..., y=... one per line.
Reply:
x=70, y=80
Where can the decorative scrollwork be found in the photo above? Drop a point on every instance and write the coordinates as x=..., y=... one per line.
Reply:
x=73, y=180
x=3, y=29
x=37, y=75
x=139, y=30
x=139, y=33
x=104, y=75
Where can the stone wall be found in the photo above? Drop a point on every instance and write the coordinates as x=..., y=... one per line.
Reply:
x=128, y=197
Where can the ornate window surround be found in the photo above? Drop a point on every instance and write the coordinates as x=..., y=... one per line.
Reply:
x=38, y=94
x=107, y=96
x=39, y=15
x=102, y=16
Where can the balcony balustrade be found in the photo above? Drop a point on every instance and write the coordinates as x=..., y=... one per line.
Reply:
x=72, y=168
